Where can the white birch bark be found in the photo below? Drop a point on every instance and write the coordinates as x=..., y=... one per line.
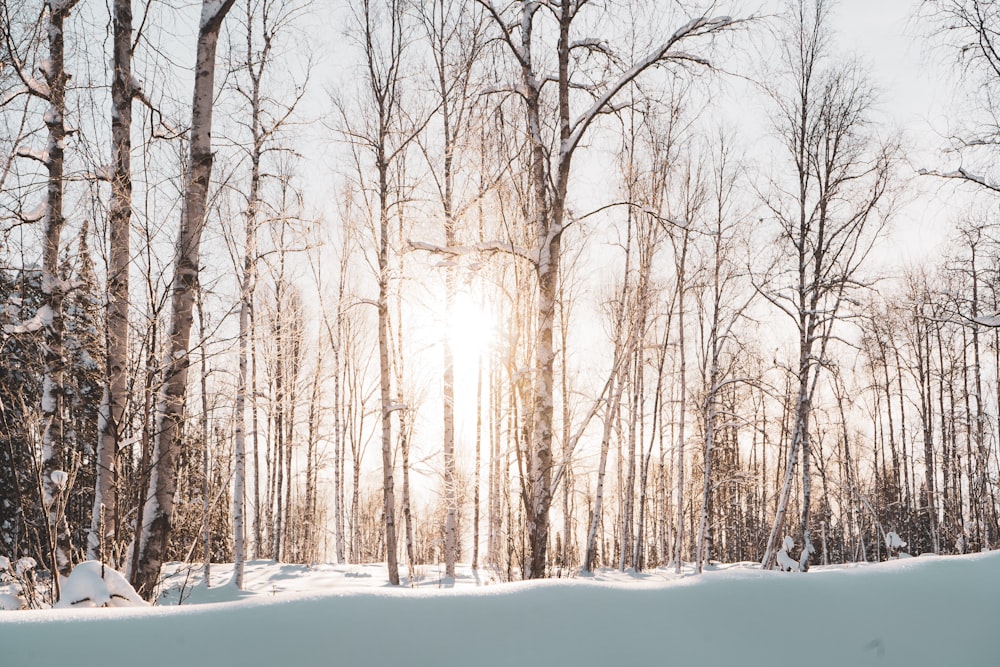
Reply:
x=682, y=402
x=247, y=285
x=56, y=460
x=206, y=480
x=104, y=521
x=385, y=379
x=339, y=444
x=239, y=434
x=158, y=512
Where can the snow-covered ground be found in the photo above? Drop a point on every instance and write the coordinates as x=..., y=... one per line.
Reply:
x=913, y=612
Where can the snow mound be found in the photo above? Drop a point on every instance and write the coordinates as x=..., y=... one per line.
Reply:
x=92, y=584
x=894, y=541
x=785, y=562
x=10, y=602
x=944, y=612
x=24, y=565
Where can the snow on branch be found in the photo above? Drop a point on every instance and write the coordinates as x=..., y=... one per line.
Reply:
x=212, y=13
x=893, y=541
x=35, y=214
x=35, y=87
x=991, y=321
x=24, y=565
x=515, y=88
x=59, y=479
x=13, y=94
x=485, y=247
x=32, y=85
x=62, y=6
x=786, y=563
x=963, y=175
x=42, y=318
x=33, y=154
x=682, y=55
x=593, y=45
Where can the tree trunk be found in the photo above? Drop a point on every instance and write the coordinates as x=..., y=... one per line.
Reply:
x=55, y=457
x=104, y=522
x=158, y=513
x=206, y=515
x=476, y=472
x=610, y=414
x=311, y=526
x=682, y=404
x=385, y=373
x=239, y=435
x=255, y=433
x=277, y=477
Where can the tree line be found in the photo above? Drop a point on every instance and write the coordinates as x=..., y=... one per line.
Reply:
x=217, y=349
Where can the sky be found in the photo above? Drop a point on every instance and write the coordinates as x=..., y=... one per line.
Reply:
x=915, y=77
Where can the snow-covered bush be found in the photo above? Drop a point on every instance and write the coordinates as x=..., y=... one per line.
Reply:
x=785, y=562
x=93, y=584
x=11, y=602
x=17, y=583
x=893, y=542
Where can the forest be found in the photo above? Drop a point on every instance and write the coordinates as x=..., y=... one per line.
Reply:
x=537, y=286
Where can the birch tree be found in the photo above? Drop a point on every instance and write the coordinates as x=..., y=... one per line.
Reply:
x=264, y=22
x=158, y=511
x=840, y=177
x=721, y=307
x=650, y=149
x=556, y=126
x=624, y=343
x=56, y=462
x=456, y=41
x=104, y=522
x=381, y=134
x=690, y=200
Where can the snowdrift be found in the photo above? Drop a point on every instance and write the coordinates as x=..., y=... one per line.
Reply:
x=920, y=611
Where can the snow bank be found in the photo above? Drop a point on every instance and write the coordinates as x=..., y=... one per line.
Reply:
x=92, y=584
x=10, y=602
x=918, y=611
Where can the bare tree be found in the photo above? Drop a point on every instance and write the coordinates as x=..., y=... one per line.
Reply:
x=456, y=41
x=970, y=28
x=382, y=134
x=57, y=464
x=103, y=528
x=828, y=221
x=721, y=307
x=264, y=23
x=554, y=134
x=158, y=511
